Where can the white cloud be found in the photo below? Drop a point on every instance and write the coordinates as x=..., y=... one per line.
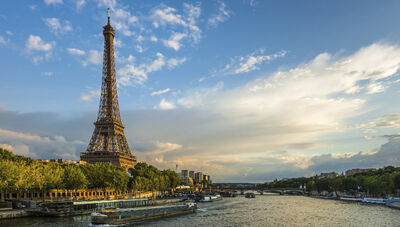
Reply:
x=168, y=16
x=58, y=27
x=174, y=62
x=153, y=38
x=75, y=51
x=140, y=38
x=35, y=43
x=156, y=65
x=160, y=92
x=6, y=146
x=80, y=4
x=192, y=15
x=48, y=74
x=220, y=17
x=294, y=106
x=106, y=4
x=7, y=134
x=94, y=57
x=34, y=145
x=165, y=147
x=53, y=2
x=249, y=62
x=123, y=21
x=245, y=64
x=33, y=7
x=375, y=87
x=139, y=48
x=117, y=42
x=90, y=95
x=130, y=74
x=174, y=41
x=18, y=149
x=2, y=41
x=165, y=105
x=119, y=59
x=384, y=121
x=198, y=98
x=9, y=33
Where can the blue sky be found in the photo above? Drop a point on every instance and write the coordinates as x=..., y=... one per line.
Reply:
x=245, y=90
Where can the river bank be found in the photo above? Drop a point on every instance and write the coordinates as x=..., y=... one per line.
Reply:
x=69, y=208
x=389, y=202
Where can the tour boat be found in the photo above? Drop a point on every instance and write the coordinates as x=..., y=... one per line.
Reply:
x=210, y=198
x=250, y=195
x=374, y=200
x=393, y=202
x=140, y=214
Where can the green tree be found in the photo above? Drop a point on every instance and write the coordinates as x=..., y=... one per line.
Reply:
x=74, y=178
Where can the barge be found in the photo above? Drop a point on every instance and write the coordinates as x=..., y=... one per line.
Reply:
x=141, y=214
x=72, y=208
x=250, y=195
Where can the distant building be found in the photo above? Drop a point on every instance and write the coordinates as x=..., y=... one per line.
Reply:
x=198, y=177
x=62, y=161
x=206, y=177
x=191, y=174
x=328, y=175
x=355, y=171
x=184, y=174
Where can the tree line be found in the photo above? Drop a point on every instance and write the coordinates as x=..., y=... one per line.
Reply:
x=19, y=173
x=380, y=182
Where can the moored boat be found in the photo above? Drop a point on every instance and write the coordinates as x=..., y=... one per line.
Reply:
x=250, y=195
x=393, y=203
x=140, y=214
x=352, y=199
x=374, y=200
x=210, y=198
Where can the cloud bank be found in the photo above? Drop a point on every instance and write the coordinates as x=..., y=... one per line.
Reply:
x=270, y=127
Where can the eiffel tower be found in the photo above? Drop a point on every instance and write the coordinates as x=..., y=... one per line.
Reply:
x=108, y=142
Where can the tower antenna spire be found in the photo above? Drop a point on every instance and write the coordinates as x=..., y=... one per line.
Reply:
x=108, y=11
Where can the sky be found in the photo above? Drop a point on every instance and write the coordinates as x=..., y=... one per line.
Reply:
x=245, y=90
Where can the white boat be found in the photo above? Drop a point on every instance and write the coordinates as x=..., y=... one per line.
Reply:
x=352, y=199
x=393, y=202
x=210, y=198
x=374, y=200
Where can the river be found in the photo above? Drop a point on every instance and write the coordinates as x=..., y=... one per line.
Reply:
x=266, y=210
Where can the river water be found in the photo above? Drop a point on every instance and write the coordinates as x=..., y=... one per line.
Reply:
x=266, y=210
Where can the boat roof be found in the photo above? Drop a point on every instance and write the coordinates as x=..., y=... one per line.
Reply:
x=109, y=201
x=140, y=208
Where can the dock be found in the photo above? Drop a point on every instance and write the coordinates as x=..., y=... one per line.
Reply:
x=7, y=214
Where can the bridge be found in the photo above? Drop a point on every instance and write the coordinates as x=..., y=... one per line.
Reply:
x=261, y=191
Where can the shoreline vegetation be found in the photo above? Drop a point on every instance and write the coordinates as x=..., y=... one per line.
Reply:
x=23, y=174
x=383, y=182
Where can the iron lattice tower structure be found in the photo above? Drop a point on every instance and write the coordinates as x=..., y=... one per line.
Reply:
x=108, y=142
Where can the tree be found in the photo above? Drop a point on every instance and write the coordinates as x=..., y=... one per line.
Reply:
x=74, y=178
